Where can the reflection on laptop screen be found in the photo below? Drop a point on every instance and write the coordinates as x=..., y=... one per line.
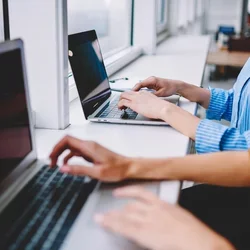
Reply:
x=88, y=70
x=15, y=137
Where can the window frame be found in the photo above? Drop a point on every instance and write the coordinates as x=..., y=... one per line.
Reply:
x=162, y=29
x=164, y=26
x=2, y=36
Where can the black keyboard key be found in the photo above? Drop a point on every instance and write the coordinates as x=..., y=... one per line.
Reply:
x=44, y=211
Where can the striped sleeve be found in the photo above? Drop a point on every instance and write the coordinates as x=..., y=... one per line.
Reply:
x=221, y=104
x=213, y=137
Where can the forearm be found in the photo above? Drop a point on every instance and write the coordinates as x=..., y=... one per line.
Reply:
x=194, y=94
x=224, y=169
x=219, y=243
x=180, y=119
x=214, y=137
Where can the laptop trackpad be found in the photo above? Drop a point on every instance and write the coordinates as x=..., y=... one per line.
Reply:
x=108, y=202
x=86, y=234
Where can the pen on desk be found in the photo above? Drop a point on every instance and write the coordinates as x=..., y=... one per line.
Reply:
x=120, y=90
x=124, y=90
x=119, y=79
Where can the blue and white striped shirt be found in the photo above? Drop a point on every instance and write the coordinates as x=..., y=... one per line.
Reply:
x=234, y=106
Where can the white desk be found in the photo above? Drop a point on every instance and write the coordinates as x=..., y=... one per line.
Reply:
x=131, y=140
x=184, y=44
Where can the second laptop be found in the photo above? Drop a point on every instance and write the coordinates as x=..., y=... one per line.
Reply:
x=99, y=103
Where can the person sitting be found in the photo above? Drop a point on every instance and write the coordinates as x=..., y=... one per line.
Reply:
x=209, y=136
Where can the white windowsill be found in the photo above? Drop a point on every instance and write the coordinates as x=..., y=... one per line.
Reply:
x=161, y=27
x=162, y=36
x=112, y=64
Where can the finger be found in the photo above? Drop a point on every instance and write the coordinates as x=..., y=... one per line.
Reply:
x=128, y=95
x=137, y=192
x=85, y=148
x=67, y=142
x=158, y=92
x=93, y=172
x=138, y=86
x=147, y=83
x=68, y=157
x=138, y=207
x=118, y=223
x=123, y=104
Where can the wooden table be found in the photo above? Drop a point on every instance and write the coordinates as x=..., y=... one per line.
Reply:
x=227, y=58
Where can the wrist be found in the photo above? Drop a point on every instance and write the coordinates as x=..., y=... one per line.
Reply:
x=166, y=110
x=180, y=88
x=135, y=168
x=153, y=169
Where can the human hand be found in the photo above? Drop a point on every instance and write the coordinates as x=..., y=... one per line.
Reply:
x=163, y=87
x=144, y=103
x=108, y=166
x=154, y=224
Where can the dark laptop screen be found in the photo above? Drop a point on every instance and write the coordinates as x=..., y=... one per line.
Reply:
x=88, y=69
x=15, y=137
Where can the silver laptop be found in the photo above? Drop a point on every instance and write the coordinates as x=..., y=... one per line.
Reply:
x=99, y=103
x=41, y=208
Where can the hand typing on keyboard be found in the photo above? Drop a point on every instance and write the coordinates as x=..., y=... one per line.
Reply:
x=144, y=103
x=107, y=165
x=124, y=114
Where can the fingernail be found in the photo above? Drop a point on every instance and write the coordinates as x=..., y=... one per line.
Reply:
x=65, y=169
x=98, y=218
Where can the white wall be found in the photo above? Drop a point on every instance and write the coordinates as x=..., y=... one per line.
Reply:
x=173, y=16
x=145, y=31
x=224, y=12
x=41, y=26
x=1, y=22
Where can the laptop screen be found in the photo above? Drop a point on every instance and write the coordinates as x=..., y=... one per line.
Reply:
x=89, y=71
x=15, y=137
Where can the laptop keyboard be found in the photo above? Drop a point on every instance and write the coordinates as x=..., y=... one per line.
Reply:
x=43, y=212
x=111, y=110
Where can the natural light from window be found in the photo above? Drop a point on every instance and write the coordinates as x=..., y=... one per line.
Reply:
x=110, y=18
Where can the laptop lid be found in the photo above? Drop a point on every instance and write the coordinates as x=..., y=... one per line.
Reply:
x=17, y=145
x=88, y=70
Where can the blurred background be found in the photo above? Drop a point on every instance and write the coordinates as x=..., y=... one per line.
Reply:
x=127, y=29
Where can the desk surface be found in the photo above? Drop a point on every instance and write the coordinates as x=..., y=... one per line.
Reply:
x=228, y=58
x=134, y=140
x=184, y=44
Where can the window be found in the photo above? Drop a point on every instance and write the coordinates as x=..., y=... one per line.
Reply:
x=112, y=21
x=188, y=11
x=1, y=23
x=161, y=11
x=110, y=18
x=162, y=15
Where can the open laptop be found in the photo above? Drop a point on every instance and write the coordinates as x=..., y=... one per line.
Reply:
x=42, y=208
x=99, y=103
